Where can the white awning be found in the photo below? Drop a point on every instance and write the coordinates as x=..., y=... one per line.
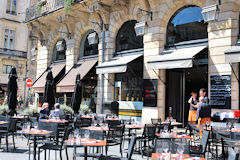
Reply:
x=117, y=64
x=176, y=58
x=232, y=55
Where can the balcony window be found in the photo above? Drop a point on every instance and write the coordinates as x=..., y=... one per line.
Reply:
x=12, y=7
x=9, y=38
x=6, y=69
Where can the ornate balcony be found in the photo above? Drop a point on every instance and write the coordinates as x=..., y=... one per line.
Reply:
x=50, y=7
x=12, y=53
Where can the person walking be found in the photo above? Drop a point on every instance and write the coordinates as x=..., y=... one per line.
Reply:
x=57, y=112
x=193, y=107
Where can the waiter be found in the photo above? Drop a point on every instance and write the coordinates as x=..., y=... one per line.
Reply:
x=203, y=112
x=193, y=107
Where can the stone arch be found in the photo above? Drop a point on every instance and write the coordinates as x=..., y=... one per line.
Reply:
x=81, y=29
x=166, y=15
x=53, y=37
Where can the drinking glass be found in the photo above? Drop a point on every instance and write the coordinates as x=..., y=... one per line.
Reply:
x=71, y=138
x=165, y=147
x=36, y=125
x=180, y=151
x=159, y=153
x=87, y=134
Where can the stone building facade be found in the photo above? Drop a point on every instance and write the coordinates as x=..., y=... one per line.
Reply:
x=54, y=24
x=14, y=44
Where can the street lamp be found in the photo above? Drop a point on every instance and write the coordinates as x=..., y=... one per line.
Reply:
x=140, y=28
x=209, y=13
x=60, y=46
x=92, y=38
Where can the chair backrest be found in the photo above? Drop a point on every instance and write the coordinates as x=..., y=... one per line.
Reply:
x=232, y=155
x=156, y=120
x=149, y=131
x=131, y=147
x=67, y=131
x=98, y=135
x=50, y=127
x=12, y=125
x=116, y=132
x=82, y=122
x=112, y=123
x=204, y=140
x=160, y=143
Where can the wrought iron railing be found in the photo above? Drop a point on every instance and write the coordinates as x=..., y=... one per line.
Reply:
x=12, y=53
x=49, y=7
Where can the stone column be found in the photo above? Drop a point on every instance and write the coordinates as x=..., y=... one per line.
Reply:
x=222, y=34
x=71, y=57
x=43, y=59
x=107, y=79
x=153, y=45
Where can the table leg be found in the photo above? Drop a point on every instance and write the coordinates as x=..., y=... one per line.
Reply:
x=85, y=153
x=35, y=147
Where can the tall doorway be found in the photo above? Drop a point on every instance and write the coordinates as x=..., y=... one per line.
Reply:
x=180, y=84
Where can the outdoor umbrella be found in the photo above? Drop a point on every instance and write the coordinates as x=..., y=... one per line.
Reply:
x=77, y=95
x=49, y=90
x=12, y=91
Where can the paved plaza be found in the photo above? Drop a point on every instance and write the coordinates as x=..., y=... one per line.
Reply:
x=21, y=152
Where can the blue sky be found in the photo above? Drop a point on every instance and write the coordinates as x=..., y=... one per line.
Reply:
x=187, y=15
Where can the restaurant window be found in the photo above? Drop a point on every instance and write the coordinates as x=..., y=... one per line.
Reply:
x=59, y=51
x=9, y=39
x=129, y=85
x=87, y=49
x=126, y=38
x=6, y=69
x=12, y=7
x=187, y=24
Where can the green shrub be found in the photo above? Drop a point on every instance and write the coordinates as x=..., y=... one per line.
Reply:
x=66, y=109
x=31, y=111
x=68, y=5
x=84, y=108
x=3, y=110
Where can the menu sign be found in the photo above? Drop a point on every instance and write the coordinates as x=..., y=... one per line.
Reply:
x=220, y=91
x=150, y=90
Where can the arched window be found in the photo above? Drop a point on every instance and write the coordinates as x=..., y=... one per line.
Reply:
x=126, y=38
x=185, y=25
x=59, y=51
x=87, y=49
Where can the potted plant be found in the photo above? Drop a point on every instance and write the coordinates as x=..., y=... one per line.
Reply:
x=84, y=108
x=68, y=5
x=66, y=109
x=31, y=111
x=39, y=6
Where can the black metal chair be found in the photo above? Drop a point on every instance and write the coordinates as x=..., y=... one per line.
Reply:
x=115, y=136
x=113, y=123
x=55, y=146
x=156, y=120
x=148, y=135
x=201, y=149
x=82, y=122
x=129, y=153
x=11, y=129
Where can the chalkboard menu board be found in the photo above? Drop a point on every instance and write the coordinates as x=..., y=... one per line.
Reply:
x=150, y=90
x=220, y=91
